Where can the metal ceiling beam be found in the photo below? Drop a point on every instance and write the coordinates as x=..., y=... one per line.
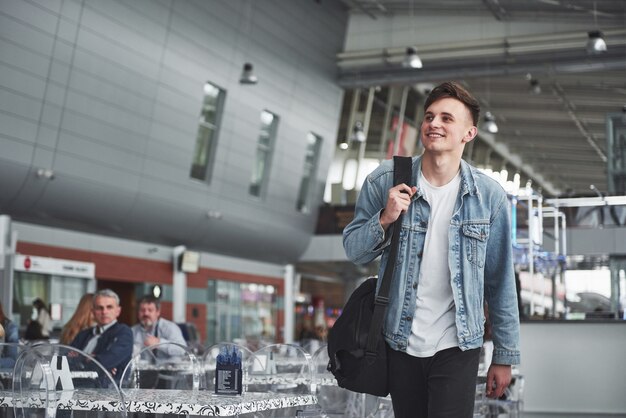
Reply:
x=354, y=78
x=537, y=54
x=576, y=202
x=516, y=161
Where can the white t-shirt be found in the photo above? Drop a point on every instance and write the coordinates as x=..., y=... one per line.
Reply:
x=433, y=328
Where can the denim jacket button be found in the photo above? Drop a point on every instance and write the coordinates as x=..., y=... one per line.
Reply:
x=414, y=285
x=409, y=318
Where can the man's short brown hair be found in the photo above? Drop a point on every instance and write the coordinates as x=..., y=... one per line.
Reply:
x=150, y=299
x=456, y=91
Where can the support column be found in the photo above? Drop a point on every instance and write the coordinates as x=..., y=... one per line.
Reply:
x=7, y=253
x=179, y=286
x=289, y=304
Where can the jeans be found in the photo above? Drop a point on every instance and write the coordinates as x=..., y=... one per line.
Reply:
x=441, y=386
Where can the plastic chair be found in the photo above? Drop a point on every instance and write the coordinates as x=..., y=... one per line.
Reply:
x=209, y=364
x=55, y=379
x=9, y=353
x=340, y=402
x=280, y=368
x=332, y=398
x=162, y=366
x=283, y=369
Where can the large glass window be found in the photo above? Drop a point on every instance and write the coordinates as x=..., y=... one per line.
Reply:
x=265, y=149
x=241, y=312
x=307, y=184
x=208, y=126
x=60, y=291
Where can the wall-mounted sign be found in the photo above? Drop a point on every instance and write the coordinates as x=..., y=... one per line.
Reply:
x=54, y=266
x=190, y=262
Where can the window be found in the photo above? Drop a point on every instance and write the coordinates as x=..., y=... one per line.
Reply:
x=265, y=149
x=206, y=140
x=241, y=311
x=313, y=145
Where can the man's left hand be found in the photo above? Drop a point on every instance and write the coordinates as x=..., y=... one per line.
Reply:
x=151, y=340
x=498, y=379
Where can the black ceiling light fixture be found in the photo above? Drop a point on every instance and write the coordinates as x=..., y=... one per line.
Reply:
x=358, y=135
x=535, y=87
x=595, y=43
x=490, y=124
x=411, y=59
x=247, y=75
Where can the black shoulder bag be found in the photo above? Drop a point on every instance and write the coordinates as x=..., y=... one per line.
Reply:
x=356, y=348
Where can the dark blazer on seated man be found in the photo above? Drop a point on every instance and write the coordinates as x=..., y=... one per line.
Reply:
x=109, y=342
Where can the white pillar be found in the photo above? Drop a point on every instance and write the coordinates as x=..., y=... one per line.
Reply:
x=7, y=253
x=179, y=286
x=289, y=304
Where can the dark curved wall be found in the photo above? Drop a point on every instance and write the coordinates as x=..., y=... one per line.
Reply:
x=107, y=95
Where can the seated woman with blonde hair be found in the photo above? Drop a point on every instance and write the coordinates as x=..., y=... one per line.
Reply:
x=8, y=354
x=82, y=319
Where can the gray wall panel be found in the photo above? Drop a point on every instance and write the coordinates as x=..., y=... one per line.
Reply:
x=12, y=174
x=18, y=104
x=179, y=138
x=88, y=169
x=177, y=104
x=15, y=150
x=101, y=131
x=113, y=72
x=150, y=15
x=26, y=23
x=112, y=95
x=114, y=19
x=55, y=93
x=128, y=58
x=77, y=202
x=59, y=73
x=96, y=152
x=51, y=115
x=47, y=136
x=14, y=57
x=14, y=125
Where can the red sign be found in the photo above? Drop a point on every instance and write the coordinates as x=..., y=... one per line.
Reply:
x=27, y=263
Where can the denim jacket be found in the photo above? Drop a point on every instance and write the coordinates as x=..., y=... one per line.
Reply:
x=480, y=258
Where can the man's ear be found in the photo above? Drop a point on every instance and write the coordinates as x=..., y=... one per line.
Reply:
x=471, y=134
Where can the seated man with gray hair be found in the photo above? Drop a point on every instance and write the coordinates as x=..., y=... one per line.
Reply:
x=110, y=342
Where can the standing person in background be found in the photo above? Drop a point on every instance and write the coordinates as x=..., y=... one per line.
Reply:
x=81, y=319
x=110, y=342
x=455, y=253
x=42, y=315
x=152, y=329
x=8, y=354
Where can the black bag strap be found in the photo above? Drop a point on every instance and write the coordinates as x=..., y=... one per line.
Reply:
x=402, y=173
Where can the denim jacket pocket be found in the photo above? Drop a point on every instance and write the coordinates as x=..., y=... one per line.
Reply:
x=475, y=235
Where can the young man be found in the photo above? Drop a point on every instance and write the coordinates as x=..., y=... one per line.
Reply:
x=454, y=255
x=152, y=329
x=110, y=342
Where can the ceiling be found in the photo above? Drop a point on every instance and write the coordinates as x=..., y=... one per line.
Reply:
x=557, y=138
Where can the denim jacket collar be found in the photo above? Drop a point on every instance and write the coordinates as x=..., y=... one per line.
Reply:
x=468, y=181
